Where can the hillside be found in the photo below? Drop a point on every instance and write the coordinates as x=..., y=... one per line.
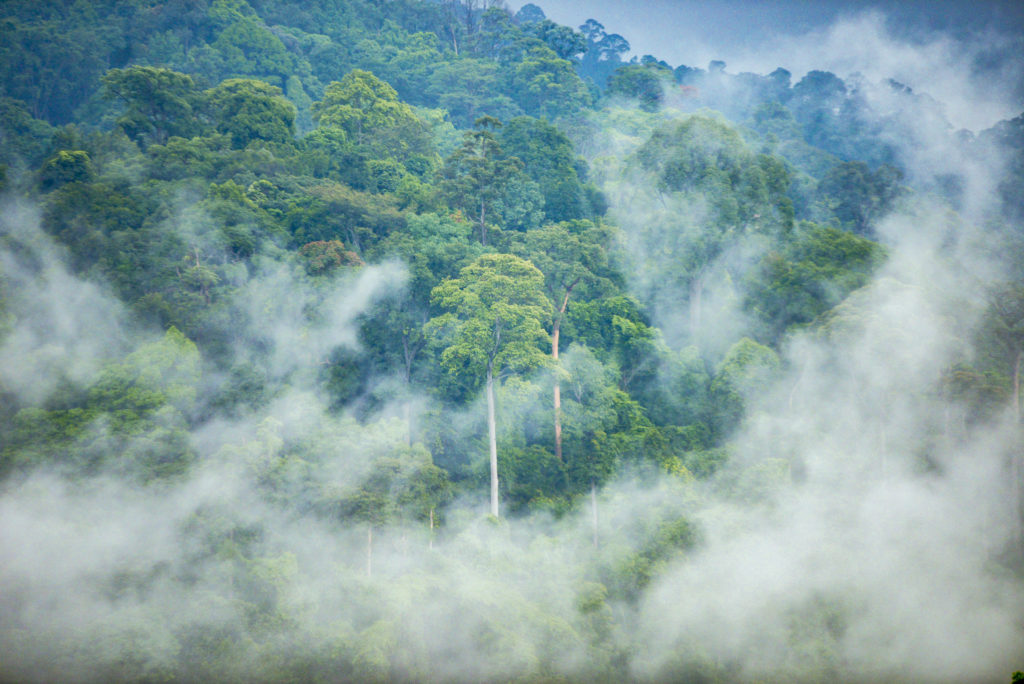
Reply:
x=428, y=341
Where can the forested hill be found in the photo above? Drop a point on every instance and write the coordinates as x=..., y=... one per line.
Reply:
x=424, y=340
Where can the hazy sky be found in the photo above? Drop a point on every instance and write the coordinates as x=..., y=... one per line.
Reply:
x=968, y=55
x=693, y=32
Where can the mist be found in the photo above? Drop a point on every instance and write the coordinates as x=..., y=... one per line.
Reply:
x=863, y=527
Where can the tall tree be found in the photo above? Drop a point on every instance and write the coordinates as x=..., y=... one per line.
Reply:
x=158, y=103
x=551, y=162
x=570, y=255
x=478, y=179
x=372, y=117
x=497, y=311
x=247, y=110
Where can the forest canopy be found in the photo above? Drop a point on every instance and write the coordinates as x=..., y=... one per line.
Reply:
x=428, y=340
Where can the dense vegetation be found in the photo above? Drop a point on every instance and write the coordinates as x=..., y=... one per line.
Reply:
x=360, y=263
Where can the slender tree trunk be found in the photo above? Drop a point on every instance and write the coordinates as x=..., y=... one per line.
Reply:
x=557, y=392
x=483, y=223
x=430, y=540
x=593, y=508
x=556, y=327
x=493, y=438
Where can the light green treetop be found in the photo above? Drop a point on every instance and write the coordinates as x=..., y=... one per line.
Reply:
x=497, y=312
x=369, y=112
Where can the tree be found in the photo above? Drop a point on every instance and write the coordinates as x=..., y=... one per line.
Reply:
x=323, y=257
x=23, y=139
x=859, y=195
x=372, y=117
x=746, y=369
x=433, y=248
x=565, y=42
x=703, y=163
x=159, y=103
x=546, y=85
x=569, y=255
x=529, y=14
x=603, y=54
x=549, y=160
x=469, y=88
x=481, y=181
x=645, y=82
x=133, y=417
x=244, y=47
x=247, y=110
x=67, y=166
x=497, y=310
x=52, y=66
x=807, y=275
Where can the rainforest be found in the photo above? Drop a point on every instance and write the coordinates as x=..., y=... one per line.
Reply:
x=438, y=341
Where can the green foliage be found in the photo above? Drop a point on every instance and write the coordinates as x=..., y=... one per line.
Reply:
x=661, y=540
x=181, y=189
x=497, y=309
x=562, y=40
x=706, y=156
x=469, y=88
x=23, y=138
x=158, y=103
x=332, y=210
x=643, y=82
x=547, y=86
x=747, y=369
x=243, y=46
x=814, y=271
x=573, y=256
x=246, y=110
x=549, y=160
x=52, y=63
x=858, y=196
x=325, y=256
x=369, y=113
x=67, y=166
x=603, y=54
x=133, y=417
x=487, y=186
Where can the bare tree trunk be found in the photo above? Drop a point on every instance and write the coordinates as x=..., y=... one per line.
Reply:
x=556, y=327
x=430, y=540
x=483, y=223
x=593, y=508
x=558, y=392
x=493, y=438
